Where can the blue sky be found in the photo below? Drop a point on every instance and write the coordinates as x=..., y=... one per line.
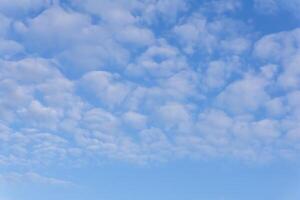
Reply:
x=149, y=99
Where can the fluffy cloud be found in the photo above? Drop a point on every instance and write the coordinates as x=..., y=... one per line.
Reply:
x=106, y=86
x=246, y=95
x=29, y=71
x=40, y=33
x=135, y=120
x=201, y=34
x=218, y=72
x=161, y=60
x=176, y=116
x=282, y=48
x=37, y=115
x=165, y=10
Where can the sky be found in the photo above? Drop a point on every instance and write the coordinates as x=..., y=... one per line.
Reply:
x=149, y=99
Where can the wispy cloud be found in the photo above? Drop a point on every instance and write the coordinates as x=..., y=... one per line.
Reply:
x=31, y=177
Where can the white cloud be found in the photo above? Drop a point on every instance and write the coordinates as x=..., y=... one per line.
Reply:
x=160, y=60
x=166, y=10
x=242, y=137
x=289, y=79
x=242, y=96
x=149, y=11
x=37, y=115
x=275, y=107
x=29, y=70
x=135, y=35
x=109, y=88
x=175, y=116
x=114, y=14
x=83, y=44
x=119, y=9
x=269, y=71
x=218, y=73
x=100, y=120
x=282, y=48
x=155, y=145
x=268, y=129
x=40, y=33
x=31, y=146
x=193, y=32
x=279, y=46
x=88, y=57
x=197, y=33
x=135, y=120
x=117, y=17
x=13, y=97
x=214, y=126
x=182, y=85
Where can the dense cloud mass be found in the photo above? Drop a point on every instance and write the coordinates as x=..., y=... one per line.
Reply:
x=144, y=81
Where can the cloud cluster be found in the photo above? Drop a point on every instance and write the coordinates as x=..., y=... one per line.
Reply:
x=82, y=81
